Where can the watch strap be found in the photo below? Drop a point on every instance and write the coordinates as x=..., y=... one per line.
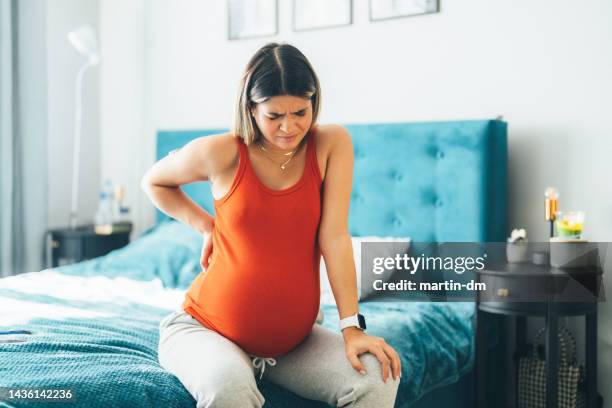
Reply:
x=355, y=320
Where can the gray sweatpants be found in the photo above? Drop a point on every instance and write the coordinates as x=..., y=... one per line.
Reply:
x=218, y=373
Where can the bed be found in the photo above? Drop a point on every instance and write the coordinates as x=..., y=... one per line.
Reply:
x=95, y=324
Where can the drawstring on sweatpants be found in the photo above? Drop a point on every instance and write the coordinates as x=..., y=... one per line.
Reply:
x=261, y=362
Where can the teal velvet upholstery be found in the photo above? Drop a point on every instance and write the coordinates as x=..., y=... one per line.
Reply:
x=432, y=181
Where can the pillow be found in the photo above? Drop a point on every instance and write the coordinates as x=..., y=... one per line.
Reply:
x=327, y=296
x=169, y=251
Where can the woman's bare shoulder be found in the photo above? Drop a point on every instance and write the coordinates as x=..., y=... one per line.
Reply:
x=198, y=160
x=332, y=141
x=210, y=155
x=220, y=152
x=331, y=137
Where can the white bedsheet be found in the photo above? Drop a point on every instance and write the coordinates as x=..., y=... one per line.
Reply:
x=69, y=287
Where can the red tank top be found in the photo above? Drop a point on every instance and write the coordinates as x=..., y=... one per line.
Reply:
x=261, y=289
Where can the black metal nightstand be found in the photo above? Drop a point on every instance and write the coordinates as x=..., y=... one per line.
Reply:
x=512, y=290
x=66, y=245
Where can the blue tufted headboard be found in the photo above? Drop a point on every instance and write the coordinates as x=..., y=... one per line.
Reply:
x=431, y=181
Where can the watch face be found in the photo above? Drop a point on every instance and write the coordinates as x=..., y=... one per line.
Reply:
x=362, y=322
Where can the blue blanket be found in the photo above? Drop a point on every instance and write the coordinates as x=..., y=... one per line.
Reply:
x=109, y=358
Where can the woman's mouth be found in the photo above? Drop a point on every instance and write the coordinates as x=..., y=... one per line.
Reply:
x=288, y=138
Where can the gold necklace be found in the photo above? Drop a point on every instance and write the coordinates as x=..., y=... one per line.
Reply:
x=266, y=150
x=284, y=164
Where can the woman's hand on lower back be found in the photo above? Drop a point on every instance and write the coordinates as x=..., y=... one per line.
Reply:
x=207, y=249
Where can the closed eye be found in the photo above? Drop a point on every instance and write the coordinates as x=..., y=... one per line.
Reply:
x=298, y=113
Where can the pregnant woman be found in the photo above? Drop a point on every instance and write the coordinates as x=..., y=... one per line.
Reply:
x=281, y=187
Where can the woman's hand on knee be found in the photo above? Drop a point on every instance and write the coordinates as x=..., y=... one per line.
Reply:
x=356, y=342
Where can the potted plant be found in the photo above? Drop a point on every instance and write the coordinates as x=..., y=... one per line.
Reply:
x=517, y=248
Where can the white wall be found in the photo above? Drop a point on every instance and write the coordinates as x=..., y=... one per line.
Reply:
x=31, y=108
x=545, y=66
x=122, y=98
x=63, y=63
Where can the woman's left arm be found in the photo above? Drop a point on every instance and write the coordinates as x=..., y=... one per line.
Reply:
x=335, y=245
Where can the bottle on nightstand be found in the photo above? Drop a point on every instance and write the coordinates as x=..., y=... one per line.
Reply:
x=104, y=215
x=111, y=216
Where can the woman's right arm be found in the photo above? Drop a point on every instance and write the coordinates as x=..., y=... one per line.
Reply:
x=193, y=162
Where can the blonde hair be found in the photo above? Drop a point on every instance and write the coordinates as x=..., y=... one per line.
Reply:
x=274, y=70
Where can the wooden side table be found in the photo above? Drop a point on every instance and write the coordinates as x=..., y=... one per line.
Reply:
x=66, y=245
x=508, y=285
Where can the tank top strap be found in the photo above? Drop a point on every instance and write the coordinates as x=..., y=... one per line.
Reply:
x=242, y=155
x=245, y=166
x=241, y=148
x=311, y=155
x=242, y=158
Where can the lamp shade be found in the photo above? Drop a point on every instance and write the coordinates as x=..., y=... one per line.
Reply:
x=83, y=39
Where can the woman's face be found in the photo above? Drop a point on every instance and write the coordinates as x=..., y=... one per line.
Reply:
x=283, y=120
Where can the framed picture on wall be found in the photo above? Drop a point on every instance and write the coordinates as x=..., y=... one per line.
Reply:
x=386, y=9
x=315, y=14
x=252, y=18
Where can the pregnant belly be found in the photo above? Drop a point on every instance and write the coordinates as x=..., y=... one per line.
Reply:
x=266, y=317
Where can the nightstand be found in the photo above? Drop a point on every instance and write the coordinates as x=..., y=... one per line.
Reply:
x=66, y=245
x=522, y=290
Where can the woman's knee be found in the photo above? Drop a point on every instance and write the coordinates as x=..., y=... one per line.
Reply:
x=378, y=393
x=370, y=390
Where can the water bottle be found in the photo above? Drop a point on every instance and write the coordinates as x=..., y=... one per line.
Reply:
x=108, y=189
x=104, y=214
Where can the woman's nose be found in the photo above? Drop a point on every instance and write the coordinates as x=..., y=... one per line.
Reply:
x=286, y=125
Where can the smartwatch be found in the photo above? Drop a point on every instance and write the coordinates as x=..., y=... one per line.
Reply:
x=356, y=320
